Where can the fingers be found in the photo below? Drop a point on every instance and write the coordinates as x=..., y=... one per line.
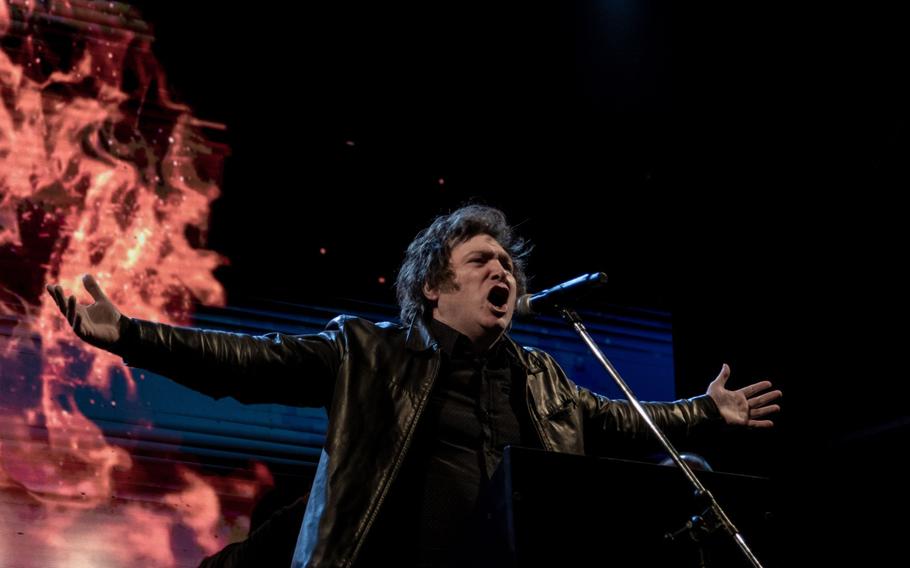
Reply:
x=760, y=424
x=764, y=399
x=752, y=389
x=56, y=293
x=763, y=411
x=94, y=288
x=71, y=310
x=68, y=306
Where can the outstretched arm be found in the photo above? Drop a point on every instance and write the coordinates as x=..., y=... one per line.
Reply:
x=749, y=406
x=289, y=369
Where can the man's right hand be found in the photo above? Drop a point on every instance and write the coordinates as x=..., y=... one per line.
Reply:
x=97, y=324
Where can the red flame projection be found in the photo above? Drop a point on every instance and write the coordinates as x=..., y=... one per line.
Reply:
x=99, y=173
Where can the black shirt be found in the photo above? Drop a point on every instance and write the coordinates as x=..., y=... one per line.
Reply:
x=476, y=408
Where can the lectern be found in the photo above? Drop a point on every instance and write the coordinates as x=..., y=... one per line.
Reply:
x=551, y=509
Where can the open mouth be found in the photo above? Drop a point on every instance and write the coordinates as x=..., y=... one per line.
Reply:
x=499, y=298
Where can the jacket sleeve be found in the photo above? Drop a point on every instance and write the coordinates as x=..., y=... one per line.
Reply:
x=272, y=368
x=607, y=418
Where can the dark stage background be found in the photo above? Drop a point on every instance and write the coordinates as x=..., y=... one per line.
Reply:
x=739, y=167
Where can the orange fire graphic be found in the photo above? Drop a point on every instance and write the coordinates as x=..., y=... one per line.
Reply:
x=100, y=172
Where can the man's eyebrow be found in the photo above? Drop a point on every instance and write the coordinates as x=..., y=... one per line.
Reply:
x=484, y=253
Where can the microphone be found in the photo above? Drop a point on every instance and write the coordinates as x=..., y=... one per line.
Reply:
x=559, y=296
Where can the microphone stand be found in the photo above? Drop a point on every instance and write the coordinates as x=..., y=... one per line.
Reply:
x=713, y=516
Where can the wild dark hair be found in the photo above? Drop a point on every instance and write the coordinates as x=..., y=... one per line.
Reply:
x=427, y=258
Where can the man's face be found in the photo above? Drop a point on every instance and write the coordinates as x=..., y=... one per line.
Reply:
x=481, y=300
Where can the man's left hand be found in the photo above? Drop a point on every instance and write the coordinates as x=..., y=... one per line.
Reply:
x=747, y=406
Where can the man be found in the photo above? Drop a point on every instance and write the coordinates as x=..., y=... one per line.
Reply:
x=418, y=413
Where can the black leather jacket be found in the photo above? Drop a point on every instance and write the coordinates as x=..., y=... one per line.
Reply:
x=375, y=380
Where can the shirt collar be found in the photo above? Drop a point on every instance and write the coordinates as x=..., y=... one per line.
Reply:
x=454, y=343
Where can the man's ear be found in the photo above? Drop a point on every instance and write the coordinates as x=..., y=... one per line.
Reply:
x=431, y=294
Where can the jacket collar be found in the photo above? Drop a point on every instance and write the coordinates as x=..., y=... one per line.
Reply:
x=420, y=339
